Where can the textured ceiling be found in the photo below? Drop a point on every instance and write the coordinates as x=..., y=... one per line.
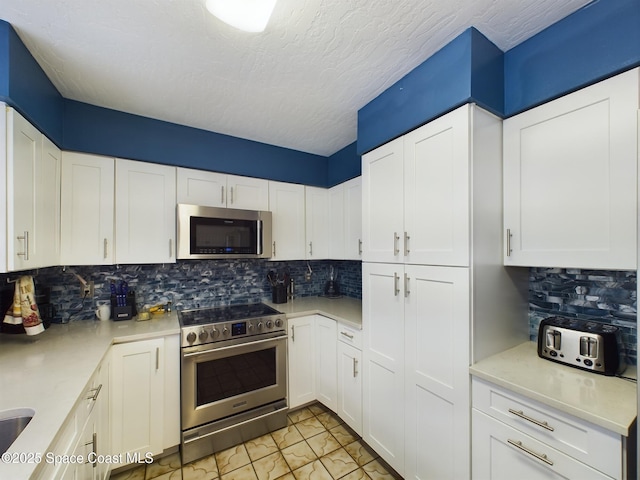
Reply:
x=299, y=84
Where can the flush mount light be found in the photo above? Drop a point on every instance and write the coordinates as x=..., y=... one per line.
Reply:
x=247, y=15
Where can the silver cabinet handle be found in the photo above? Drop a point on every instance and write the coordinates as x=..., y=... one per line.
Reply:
x=540, y=456
x=157, y=358
x=509, y=242
x=105, y=248
x=293, y=333
x=396, y=250
x=94, y=440
x=355, y=367
x=396, y=289
x=222, y=195
x=348, y=335
x=310, y=249
x=406, y=243
x=274, y=248
x=25, y=237
x=540, y=423
x=96, y=392
x=406, y=285
x=359, y=247
x=231, y=190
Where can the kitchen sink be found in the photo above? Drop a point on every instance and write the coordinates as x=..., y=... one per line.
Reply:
x=12, y=423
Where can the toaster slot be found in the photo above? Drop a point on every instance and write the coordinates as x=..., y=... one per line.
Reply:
x=554, y=339
x=588, y=347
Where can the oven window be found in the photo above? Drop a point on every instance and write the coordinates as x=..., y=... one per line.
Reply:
x=235, y=375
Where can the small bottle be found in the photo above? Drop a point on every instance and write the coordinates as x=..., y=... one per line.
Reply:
x=291, y=289
x=168, y=307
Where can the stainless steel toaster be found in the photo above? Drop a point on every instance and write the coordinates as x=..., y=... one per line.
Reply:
x=589, y=345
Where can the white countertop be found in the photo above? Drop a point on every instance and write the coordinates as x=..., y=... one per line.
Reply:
x=345, y=310
x=49, y=372
x=609, y=402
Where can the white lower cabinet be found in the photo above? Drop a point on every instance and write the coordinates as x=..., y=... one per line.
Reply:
x=517, y=437
x=326, y=362
x=145, y=397
x=350, y=377
x=301, y=360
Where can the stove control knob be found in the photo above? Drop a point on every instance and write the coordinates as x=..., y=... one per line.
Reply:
x=191, y=337
x=214, y=333
x=203, y=335
x=225, y=331
x=249, y=327
x=278, y=322
x=269, y=324
x=259, y=325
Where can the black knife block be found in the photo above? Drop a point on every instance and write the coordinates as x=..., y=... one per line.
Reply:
x=279, y=293
x=124, y=312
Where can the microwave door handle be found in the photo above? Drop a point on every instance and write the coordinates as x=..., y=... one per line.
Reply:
x=259, y=239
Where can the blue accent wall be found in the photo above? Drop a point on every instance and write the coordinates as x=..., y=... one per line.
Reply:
x=595, y=42
x=469, y=68
x=92, y=129
x=24, y=85
x=344, y=165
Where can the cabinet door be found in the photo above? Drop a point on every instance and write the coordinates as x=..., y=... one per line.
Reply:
x=145, y=212
x=317, y=222
x=383, y=203
x=437, y=372
x=47, y=229
x=337, y=222
x=24, y=150
x=301, y=360
x=383, y=354
x=503, y=453
x=326, y=362
x=436, y=191
x=87, y=209
x=197, y=187
x=570, y=179
x=353, y=219
x=172, y=391
x=286, y=202
x=137, y=393
x=247, y=193
x=350, y=386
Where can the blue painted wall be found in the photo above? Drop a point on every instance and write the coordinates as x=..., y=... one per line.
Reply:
x=344, y=165
x=594, y=43
x=469, y=68
x=24, y=85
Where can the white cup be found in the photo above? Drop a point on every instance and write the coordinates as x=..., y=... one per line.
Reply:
x=103, y=312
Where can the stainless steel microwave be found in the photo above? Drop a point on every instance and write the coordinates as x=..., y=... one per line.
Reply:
x=212, y=232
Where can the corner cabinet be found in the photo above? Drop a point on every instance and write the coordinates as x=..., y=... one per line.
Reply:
x=87, y=209
x=287, y=205
x=145, y=209
x=570, y=179
x=33, y=166
x=436, y=296
x=317, y=222
x=345, y=220
x=301, y=360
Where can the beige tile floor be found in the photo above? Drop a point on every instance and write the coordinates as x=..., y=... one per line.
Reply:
x=316, y=445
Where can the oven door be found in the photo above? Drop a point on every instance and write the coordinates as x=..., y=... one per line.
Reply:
x=225, y=380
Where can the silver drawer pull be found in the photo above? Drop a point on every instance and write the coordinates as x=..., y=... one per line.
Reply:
x=96, y=391
x=396, y=249
x=355, y=368
x=349, y=336
x=540, y=456
x=540, y=423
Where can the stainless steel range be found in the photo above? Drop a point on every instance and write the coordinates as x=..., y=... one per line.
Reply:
x=233, y=376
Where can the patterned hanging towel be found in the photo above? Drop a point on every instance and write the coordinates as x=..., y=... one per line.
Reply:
x=24, y=310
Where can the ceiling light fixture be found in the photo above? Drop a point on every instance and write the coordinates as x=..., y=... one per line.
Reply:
x=247, y=15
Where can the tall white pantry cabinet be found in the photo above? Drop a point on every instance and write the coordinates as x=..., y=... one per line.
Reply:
x=436, y=295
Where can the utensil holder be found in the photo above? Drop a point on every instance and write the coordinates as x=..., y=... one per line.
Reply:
x=279, y=294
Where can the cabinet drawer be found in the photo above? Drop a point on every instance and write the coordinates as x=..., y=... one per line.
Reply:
x=350, y=335
x=501, y=452
x=582, y=440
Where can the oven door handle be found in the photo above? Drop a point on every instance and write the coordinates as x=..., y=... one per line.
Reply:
x=231, y=347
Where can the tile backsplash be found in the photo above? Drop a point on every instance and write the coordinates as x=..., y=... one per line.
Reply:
x=601, y=295
x=189, y=284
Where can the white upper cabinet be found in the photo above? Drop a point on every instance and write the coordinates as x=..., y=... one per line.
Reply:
x=317, y=223
x=345, y=220
x=145, y=212
x=416, y=195
x=33, y=198
x=212, y=189
x=87, y=209
x=287, y=205
x=570, y=175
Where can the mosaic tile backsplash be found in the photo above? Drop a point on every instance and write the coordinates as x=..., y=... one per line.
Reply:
x=599, y=295
x=189, y=284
